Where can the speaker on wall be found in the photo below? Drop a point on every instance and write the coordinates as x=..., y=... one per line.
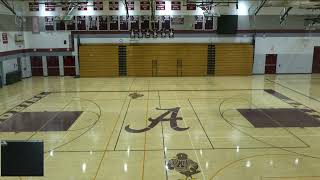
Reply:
x=227, y=24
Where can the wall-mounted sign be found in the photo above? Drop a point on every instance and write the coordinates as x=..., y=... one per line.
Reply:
x=98, y=5
x=33, y=6
x=5, y=38
x=198, y=22
x=103, y=22
x=93, y=23
x=50, y=6
x=82, y=6
x=191, y=6
x=113, y=5
x=130, y=5
x=49, y=23
x=175, y=5
x=144, y=5
x=160, y=5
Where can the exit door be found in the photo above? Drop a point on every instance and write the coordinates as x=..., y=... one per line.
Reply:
x=271, y=64
x=316, y=60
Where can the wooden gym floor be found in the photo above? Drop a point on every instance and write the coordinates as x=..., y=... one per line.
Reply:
x=219, y=128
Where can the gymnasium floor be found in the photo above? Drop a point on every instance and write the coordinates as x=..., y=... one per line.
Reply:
x=220, y=128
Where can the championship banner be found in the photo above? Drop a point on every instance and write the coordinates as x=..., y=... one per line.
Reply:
x=50, y=6
x=175, y=5
x=82, y=6
x=98, y=5
x=191, y=7
x=113, y=5
x=5, y=38
x=49, y=25
x=144, y=5
x=160, y=5
x=33, y=6
x=198, y=22
x=130, y=5
x=103, y=23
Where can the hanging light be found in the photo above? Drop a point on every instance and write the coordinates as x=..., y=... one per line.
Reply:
x=147, y=34
x=171, y=33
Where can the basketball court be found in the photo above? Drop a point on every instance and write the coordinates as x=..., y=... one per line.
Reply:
x=256, y=127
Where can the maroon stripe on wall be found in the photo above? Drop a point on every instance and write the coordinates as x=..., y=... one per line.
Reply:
x=13, y=52
x=19, y=51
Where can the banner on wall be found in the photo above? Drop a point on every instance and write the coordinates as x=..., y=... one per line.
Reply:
x=191, y=7
x=35, y=24
x=98, y=5
x=5, y=38
x=33, y=6
x=50, y=6
x=82, y=6
x=160, y=5
x=130, y=5
x=144, y=5
x=49, y=23
x=113, y=5
x=175, y=5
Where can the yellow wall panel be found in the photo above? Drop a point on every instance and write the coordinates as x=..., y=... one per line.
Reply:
x=98, y=61
x=233, y=59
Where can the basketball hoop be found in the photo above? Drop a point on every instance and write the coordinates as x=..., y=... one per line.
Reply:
x=208, y=10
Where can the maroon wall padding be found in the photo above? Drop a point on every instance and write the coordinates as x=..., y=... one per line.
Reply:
x=69, y=71
x=53, y=61
x=53, y=65
x=271, y=64
x=68, y=61
x=316, y=60
x=36, y=65
x=37, y=71
x=53, y=72
x=69, y=66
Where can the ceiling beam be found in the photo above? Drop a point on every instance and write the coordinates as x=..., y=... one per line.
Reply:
x=262, y=3
x=7, y=5
x=284, y=16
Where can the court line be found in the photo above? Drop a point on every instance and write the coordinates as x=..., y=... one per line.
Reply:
x=241, y=159
x=104, y=154
x=288, y=177
x=124, y=118
x=169, y=90
x=163, y=143
x=68, y=142
x=168, y=149
x=296, y=91
x=195, y=152
x=243, y=132
x=145, y=135
x=194, y=111
x=222, y=114
x=38, y=130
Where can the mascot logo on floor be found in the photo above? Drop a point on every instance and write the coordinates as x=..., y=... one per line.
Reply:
x=182, y=164
x=173, y=121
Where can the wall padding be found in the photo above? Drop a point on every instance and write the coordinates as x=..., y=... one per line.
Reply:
x=234, y=59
